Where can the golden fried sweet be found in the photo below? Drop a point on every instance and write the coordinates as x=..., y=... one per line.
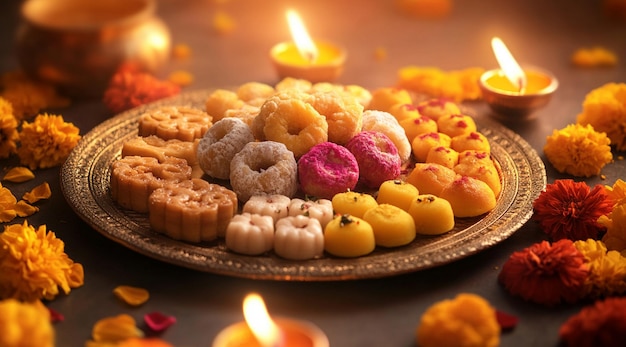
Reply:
x=175, y=122
x=220, y=101
x=469, y=197
x=290, y=119
x=472, y=141
x=193, y=210
x=456, y=124
x=134, y=178
x=343, y=114
x=156, y=147
x=422, y=144
x=431, y=178
x=442, y=155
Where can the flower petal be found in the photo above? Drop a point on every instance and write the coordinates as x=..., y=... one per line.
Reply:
x=133, y=296
x=19, y=174
x=157, y=321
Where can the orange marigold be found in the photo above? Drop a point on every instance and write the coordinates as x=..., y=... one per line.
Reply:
x=546, y=273
x=130, y=88
x=8, y=129
x=34, y=265
x=47, y=141
x=601, y=324
x=578, y=150
x=605, y=110
x=28, y=97
x=25, y=324
x=456, y=85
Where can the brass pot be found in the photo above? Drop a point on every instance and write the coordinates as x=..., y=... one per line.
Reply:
x=77, y=45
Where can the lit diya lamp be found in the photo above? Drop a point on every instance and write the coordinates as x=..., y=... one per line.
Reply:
x=260, y=330
x=315, y=61
x=512, y=91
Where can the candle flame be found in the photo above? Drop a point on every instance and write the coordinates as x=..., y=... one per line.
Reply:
x=508, y=64
x=258, y=319
x=301, y=36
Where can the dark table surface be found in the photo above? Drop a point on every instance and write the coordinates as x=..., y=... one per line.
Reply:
x=367, y=312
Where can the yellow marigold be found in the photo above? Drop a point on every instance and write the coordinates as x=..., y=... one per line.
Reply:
x=617, y=192
x=34, y=265
x=594, y=57
x=7, y=205
x=8, y=129
x=468, y=318
x=47, y=141
x=578, y=150
x=615, y=224
x=607, y=276
x=604, y=108
x=457, y=85
x=25, y=324
x=28, y=97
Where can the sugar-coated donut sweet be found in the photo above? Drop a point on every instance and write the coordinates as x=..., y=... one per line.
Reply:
x=387, y=124
x=327, y=169
x=219, y=145
x=263, y=168
x=377, y=157
x=290, y=119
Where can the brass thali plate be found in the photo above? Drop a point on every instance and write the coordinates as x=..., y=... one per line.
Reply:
x=85, y=185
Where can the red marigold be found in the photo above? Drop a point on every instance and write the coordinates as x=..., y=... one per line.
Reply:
x=600, y=324
x=130, y=88
x=570, y=210
x=546, y=273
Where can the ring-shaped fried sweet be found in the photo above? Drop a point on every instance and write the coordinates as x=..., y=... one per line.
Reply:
x=297, y=125
x=219, y=145
x=343, y=112
x=264, y=168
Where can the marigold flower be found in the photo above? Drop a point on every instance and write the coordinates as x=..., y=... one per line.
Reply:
x=617, y=192
x=468, y=318
x=47, y=141
x=570, y=210
x=131, y=88
x=455, y=85
x=594, y=57
x=607, y=274
x=600, y=324
x=546, y=273
x=18, y=175
x=8, y=129
x=578, y=150
x=604, y=109
x=615, y=223
x=33, y=264
x=28, y=97
x=25, y=324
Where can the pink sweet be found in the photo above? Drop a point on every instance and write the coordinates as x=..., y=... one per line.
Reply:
x=377, y=156
x=327, y=169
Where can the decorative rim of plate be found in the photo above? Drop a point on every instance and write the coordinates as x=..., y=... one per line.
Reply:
x=85, y=185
